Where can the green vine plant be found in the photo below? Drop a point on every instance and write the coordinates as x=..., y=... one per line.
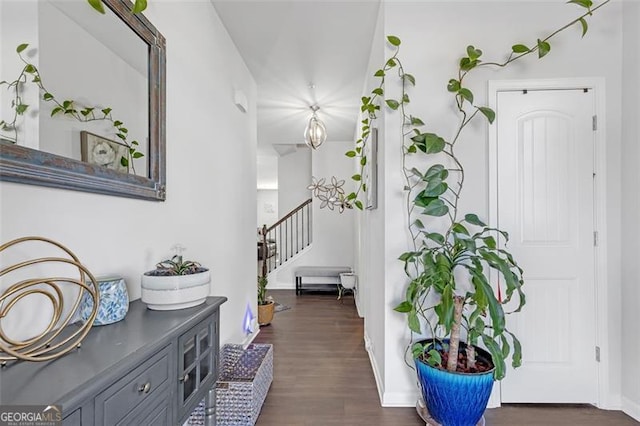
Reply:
x=449, y=307
x=68, y=108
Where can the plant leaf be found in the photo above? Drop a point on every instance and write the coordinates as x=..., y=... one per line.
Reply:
x=434, y=236
x=434, y=359
x=415, y=121
x=584, y=3
x=21, y=47
x=350, y=154
x=436, y=171
x=473, y=219
x=393, y=40
x=473, y=53
x=139, y=6
x=404, y=307
x=496, y=355
x=409, y=78
x=436, y=208
x=392, y=103
x=489, y=113
x=543, y=48
x=97, y=5
x=460, y=229
x=519, y=48
x=453, y=86
x=466, y=94
x=356, y=177
x=585, y=26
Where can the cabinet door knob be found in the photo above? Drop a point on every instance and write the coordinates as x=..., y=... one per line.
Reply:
x=184, y=378
x=144, y=388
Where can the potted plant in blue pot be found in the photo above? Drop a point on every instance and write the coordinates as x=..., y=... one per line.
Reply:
x=455, y=312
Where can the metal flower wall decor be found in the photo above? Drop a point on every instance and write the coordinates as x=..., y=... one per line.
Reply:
x=331, y=194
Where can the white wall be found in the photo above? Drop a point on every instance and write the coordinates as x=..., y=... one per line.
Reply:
x=267, y=207
x=370, y=265
x=294, y=175
x=214, y=219
x=333, y=233
x=631, y=210
x=493, y=27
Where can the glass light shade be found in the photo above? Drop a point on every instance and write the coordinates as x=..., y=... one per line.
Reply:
x=315, y=133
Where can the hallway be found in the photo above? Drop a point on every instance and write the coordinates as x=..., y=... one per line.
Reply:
x=322, y=375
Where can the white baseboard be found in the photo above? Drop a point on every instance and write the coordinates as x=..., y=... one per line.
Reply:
x=281, y=286
x=374, y=366
x=400, y=399
x=388, y=399
x=631, y=408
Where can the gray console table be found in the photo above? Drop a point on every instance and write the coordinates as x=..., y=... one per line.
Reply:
x=152, y=368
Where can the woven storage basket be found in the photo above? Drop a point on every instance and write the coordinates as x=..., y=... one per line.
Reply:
x=245, y=377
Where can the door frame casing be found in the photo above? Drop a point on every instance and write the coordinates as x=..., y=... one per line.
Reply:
x=602, y=291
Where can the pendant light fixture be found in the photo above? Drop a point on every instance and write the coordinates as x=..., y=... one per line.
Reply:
x=315, y=133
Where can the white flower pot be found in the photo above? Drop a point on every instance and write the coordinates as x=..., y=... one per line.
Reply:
x=166, y=293
x=348, y=280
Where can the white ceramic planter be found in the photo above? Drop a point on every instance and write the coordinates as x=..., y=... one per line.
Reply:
x=167, y=293
x=348, y=280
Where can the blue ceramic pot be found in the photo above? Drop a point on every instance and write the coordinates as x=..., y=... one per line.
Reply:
x=455, y=399
x=114, y=302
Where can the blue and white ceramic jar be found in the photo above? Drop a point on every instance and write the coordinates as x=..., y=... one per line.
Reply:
x=114, y=301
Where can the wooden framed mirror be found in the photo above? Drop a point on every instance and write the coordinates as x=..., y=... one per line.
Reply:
x=37, y=162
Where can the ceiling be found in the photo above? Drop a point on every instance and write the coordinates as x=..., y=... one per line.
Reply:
x=303, y=52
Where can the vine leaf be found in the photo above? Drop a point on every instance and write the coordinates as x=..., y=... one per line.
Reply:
x=21, y=47
x=543, y=48
x=393, y=40
x=519, y=48
x=489, y=113
x=139, y=6
x=585, y=26
x=584, y=3
x=97, y=5
x=393, y=104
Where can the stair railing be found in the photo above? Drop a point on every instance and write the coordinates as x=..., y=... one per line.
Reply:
x=286, y=238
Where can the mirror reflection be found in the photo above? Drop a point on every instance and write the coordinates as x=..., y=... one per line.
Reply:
x=82, y=98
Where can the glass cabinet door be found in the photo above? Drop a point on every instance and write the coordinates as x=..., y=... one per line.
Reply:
x=196, y=359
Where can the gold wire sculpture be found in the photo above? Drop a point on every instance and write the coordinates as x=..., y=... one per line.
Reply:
x=57, y=339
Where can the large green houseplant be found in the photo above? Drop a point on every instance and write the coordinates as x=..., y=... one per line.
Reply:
x=449, y=296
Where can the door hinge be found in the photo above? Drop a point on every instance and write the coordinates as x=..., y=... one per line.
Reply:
x=597, y=353
x=595, y=238
x=594, y=122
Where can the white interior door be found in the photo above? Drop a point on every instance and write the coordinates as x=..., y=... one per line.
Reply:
x=545, y=148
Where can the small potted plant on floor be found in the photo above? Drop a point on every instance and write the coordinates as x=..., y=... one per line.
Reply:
x=449, y=295
x=175, y=284
x=266, y=304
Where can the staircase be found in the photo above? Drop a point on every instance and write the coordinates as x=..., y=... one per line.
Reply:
x=285, y=238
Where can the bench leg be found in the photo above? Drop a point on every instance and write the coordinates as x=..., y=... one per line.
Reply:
x=298, y=285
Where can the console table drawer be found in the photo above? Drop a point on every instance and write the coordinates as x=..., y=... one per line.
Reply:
x=134, y=389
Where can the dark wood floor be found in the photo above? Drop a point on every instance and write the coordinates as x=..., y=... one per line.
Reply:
x=322, y=375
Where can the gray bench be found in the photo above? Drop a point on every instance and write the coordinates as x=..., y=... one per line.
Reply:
x=317, y=272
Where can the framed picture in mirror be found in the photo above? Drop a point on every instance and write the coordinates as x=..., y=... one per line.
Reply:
x=104, y=152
